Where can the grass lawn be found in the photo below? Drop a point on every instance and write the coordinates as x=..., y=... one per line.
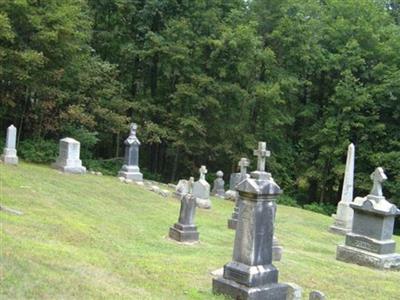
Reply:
x=92, y=237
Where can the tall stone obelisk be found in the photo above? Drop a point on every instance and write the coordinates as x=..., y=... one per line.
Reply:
x=344, y=214
x=9, y=155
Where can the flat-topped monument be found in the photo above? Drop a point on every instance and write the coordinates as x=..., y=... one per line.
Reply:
x=68, y=160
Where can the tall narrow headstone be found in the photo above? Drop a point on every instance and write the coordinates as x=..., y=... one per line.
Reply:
x=185, y=230
x=9, y=155
x=251, y=274
x=344, y=215
x=68, y=160
x=130, y=169
x=243, y=164
x=201, y=190
x=370, y=241
x=219, y=185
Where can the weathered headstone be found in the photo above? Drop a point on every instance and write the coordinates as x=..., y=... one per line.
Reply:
x=251, y=274
x=231, y=194
x=344, y=215
x=68, y=160
x=185, y=230
x=181, y=188
x=243, y=164
x=201, y=190
x=9, y=155
x=219, y=185
x=370, y=241
x=130, y=169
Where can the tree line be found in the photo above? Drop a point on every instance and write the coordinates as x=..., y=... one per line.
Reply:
x=205, y=80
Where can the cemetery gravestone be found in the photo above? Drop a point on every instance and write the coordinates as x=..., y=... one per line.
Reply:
x=231, y=194
x=181, y=188
x=251, y=274
x=219, y=185
x=201, y=190
x=130, y=170
x=344, y=215
x=370, y=241
x=9, y=155
x=68, y=160
x=243, y=164
x=185, y=230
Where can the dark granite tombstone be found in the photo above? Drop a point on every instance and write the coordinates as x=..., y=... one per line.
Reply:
x=370, y=241
x=185, y=230
x=130, y=169
x=251, y=274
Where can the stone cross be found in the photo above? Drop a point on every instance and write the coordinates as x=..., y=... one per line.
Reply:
x=243, y=164
x=203, y=171
x=262, y=153
x=378, y=177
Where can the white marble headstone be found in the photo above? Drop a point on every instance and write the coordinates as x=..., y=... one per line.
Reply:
x=10, y=152
x=68, y=160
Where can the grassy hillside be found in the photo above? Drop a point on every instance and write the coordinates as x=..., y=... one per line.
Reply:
x=92, y=237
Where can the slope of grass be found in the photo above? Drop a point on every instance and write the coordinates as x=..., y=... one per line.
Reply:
x=91, y=237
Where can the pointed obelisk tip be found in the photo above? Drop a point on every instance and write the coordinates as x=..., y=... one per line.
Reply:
x=351, y=146
x=12, y=126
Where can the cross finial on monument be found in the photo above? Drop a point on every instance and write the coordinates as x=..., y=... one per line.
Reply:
x=378, y=177
x=203, y=171
x=243, y=164
x=262, y=153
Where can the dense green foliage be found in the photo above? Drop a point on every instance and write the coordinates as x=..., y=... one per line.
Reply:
x=205, y=80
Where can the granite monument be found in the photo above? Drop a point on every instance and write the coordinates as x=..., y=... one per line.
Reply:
x=219, y=185
x=201, y=190
x=370, y=241
x=251, y=274
x=185, y=230
x=130, y=169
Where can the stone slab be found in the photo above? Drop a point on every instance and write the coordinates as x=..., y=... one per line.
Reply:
x=368, y=259
x=134, y=176
x=274, y=291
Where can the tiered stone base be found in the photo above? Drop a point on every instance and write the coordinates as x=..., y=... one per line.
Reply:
x=134, y=176
x=274, y=291
x=184, y=233
x=365, y=258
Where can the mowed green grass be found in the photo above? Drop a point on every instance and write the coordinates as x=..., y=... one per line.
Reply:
x=92, y=237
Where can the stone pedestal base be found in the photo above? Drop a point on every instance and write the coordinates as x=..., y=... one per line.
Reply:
x=10, y=160
x=70, y=169
x=203, y=203
x=184, y=233
x=339, y=230
x=365, y=258
x=134, y=176
x=273, y=291
x=9, y=156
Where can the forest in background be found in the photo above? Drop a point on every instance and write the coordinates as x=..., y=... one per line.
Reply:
x=206, y=80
